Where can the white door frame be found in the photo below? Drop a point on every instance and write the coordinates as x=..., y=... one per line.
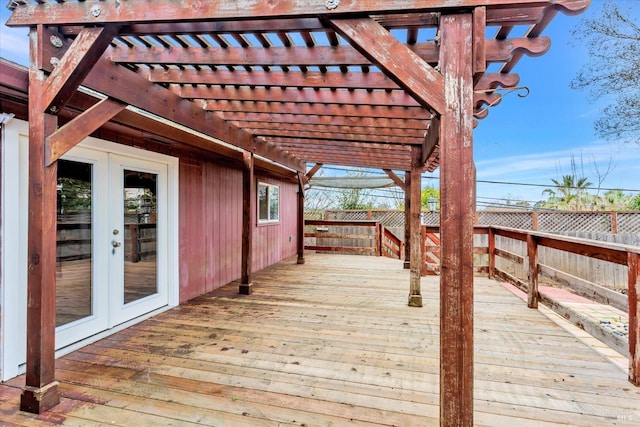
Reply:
x=14, y=241
x=119, y=311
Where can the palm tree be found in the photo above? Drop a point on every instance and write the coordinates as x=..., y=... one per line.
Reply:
x=569, y=193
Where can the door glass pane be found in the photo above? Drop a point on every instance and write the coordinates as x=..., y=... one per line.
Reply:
x=140, y=234
x=73, y=242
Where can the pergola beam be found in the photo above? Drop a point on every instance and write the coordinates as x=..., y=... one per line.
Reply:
x=396, y=179
x=276, y=94
x=72, y=13
x=409, y=140
x=72, y=133
x=116, y=82
x=74, y=66
x=222, y=108
x=496, y=51
x=246, y=119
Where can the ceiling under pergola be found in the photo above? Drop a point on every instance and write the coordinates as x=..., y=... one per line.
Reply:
x=291, y=80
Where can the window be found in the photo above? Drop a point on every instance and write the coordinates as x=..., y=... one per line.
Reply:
x=268, y=203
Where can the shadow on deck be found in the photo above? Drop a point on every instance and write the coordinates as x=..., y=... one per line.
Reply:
x=331, y=342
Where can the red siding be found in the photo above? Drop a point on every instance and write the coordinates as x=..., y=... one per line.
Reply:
x=211, y=229
x=271, y=242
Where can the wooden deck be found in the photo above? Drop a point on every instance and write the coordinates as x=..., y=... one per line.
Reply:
x=331, y=342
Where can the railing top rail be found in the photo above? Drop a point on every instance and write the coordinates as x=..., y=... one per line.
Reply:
x=391, y=234
x=570, y=239
x=354, y=223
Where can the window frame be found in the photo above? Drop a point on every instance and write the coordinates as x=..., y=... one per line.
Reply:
x=269, y=219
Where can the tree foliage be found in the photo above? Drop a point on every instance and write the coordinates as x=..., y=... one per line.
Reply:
x=426, y=194
x=569, y=193
x=613, y=42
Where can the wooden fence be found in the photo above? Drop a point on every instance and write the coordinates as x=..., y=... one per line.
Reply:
x=352, y=237
x=615, y=227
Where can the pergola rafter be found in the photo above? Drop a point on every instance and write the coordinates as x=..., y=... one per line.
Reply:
x=393, y=85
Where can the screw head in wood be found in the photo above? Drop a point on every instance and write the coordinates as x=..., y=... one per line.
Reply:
x=331, y=4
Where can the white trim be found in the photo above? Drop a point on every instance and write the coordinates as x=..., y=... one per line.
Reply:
x=269, y=197
x=119, y=310
x=14, y=249
x=13, y=300
x=97, y=321
x=173, y=208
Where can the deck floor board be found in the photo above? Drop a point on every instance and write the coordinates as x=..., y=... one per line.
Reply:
x=331, y=342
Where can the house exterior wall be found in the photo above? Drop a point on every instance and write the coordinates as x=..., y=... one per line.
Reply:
x=211, y=226
x=274, y=242
x=209, y=223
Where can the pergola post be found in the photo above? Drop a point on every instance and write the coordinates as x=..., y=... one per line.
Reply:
x=415, y=269
x=41, y=390
x=300, y=226
x=457, y=189
x=407, y=220
x=248, y=194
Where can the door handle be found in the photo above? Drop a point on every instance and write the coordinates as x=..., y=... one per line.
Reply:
x=115, y=244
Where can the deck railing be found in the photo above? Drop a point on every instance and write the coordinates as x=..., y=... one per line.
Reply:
x=514, y=256
x=522, y=267
x=352, y=237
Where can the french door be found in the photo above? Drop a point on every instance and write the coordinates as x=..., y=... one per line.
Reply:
x=111, y=242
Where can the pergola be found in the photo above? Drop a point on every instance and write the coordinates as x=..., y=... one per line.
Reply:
x=396, y=85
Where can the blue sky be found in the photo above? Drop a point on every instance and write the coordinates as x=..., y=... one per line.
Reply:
x=523, y=140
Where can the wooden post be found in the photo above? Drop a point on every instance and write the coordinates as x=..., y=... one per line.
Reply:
x=532, y=253
x=614, y=222
x=534, y=221
x=457, y=184
x=41, y=390
x=379, y=239
x=248, y=195
x=425, y=252
x=407, y=220
x=633, y=262
x=300, y=229
x=492, y=252
x=415, y=269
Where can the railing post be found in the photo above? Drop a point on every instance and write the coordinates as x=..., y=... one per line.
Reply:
x=534, y=221
x=532, y=253
x=379, y=236
x=614, y=222
x=633, y=263
x=492, y=252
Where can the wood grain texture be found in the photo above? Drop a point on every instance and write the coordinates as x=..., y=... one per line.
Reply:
x=457, y=184
x=41, y=391
x=415, y=267
x=331, y=342
x=634, y=317
x=248, y=204
x=193, y=10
